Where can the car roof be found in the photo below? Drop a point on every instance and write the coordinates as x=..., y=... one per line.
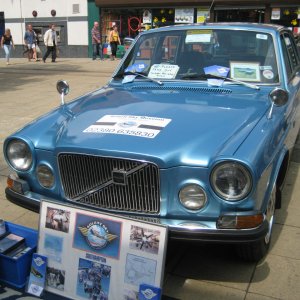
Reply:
x=232, y=25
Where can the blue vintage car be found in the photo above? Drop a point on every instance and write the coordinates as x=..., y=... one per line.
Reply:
x=194, y=130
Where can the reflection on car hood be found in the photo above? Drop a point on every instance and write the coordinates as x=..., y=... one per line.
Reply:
x=200, y=127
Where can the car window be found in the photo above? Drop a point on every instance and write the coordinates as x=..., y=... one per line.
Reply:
x=246, y=55
x=290, y=53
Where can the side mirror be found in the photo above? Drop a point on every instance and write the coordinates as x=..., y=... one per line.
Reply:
x=279, y=97
x=63, y=89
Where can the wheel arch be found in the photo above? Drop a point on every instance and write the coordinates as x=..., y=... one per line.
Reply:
x=282, y=167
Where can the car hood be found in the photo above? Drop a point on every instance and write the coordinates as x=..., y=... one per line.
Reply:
x=192, y=126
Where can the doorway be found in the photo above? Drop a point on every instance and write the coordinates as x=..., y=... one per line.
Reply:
x=2, y=24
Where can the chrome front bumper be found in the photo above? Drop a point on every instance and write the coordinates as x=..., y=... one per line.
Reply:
x=178, y=229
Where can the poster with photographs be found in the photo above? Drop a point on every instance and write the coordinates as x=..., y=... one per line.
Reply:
x=184, y=15
x=93, y=255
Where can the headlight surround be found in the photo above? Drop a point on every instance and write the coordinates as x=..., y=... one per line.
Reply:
x=45, y=176
x=19, y=155
x=231, y=181
x=192, y=196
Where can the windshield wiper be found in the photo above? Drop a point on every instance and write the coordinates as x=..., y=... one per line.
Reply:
x=121, y=75
x=211, y=76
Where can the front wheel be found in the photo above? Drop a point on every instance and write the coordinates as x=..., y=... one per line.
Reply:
x=254, y=251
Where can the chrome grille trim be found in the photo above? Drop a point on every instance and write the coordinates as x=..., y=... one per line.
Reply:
x=88, y=180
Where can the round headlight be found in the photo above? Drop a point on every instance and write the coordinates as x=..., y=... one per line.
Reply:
x=19, y=155
x=231, y=181
x=45, y=176
x=192, y=196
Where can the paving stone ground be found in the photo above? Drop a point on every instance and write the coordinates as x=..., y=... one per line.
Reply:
x=193, y=270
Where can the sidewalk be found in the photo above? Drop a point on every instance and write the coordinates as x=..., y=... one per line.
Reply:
x=193, y=271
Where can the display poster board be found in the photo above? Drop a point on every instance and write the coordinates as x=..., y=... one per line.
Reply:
x=184, y=15
x=94, y=255
x=202, y=15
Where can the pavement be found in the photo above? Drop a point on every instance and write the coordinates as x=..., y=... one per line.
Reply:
x=193, y=270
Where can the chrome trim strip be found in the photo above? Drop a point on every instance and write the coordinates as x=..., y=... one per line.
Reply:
x=197, y=230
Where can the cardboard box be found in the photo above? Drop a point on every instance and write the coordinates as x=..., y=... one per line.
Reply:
x=15, y=271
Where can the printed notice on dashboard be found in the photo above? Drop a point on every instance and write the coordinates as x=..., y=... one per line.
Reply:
x=163, y=71
x=140, y=126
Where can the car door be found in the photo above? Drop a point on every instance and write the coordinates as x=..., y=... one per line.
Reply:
x=291, y=62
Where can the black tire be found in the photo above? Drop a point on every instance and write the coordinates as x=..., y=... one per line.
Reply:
x=255, y=251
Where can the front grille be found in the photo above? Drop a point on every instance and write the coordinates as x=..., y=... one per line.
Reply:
x=110, y=183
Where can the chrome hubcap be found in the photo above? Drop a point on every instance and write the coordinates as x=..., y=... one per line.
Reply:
x=270, y=214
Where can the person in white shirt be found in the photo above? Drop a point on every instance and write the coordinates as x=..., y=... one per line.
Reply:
x=50, y=40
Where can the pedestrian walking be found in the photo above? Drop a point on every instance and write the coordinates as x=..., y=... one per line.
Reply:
x=96, y=42
x=50, y=40
x=7, y=43
x=30, y=40
x=114, y=40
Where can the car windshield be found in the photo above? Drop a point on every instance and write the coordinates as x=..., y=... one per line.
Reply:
x=189, y=54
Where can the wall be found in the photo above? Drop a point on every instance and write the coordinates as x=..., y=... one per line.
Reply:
x=18, y=13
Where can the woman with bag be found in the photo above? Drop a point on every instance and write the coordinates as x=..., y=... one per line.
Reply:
x=6, y=43
x=114, y=40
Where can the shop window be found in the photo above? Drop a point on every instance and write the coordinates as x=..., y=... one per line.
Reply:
x=41, y=30
x=39, y=33
x=288, y=17
x=240, y=15
x=163, y=17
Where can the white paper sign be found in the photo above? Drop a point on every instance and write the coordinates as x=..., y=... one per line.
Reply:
x=139, y=126
x=198, y=36
x=275, y=14
x=163, y=71
x=102, y=256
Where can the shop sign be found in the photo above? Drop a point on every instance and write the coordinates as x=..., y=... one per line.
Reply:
x=147, y=17
x=94, y=255
x=184, y=15
x=275, y=14
x=202, y=15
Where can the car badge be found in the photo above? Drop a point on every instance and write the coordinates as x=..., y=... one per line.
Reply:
x=119, y=177
x=148, y=294
x=97, y=235
x=127, y=124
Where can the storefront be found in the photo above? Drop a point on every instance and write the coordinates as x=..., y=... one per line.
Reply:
x=131, y=16
x=287, y=15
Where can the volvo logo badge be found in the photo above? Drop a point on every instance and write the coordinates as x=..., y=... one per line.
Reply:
x=119, y=177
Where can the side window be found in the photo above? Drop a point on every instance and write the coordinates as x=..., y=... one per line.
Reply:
x=291, y=56
x=146, y=49
x=170, y=45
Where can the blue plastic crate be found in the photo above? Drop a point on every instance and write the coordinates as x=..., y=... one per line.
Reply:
x=16, y=271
